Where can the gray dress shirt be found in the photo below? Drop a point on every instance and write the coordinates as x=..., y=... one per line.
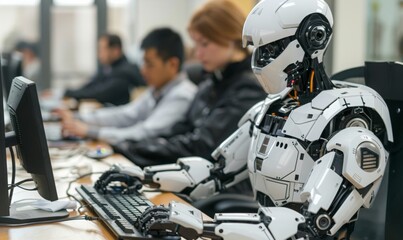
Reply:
x=151, y=115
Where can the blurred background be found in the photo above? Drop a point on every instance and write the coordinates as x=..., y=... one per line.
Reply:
x=60, y=38
x=63, y=33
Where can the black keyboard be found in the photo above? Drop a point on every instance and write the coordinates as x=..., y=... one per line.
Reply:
x=117, y=211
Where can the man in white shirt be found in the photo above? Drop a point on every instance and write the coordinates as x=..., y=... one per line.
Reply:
x=163, y=104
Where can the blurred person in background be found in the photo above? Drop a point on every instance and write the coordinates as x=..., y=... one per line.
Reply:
x=30, y=62
x=163, y=104
x=115, y=77
x=222, y=99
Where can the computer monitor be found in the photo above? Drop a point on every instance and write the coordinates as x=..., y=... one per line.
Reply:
x=32, y=150
x=11, y=66
x=385, y=78
x=4, y=207
x=4, y=62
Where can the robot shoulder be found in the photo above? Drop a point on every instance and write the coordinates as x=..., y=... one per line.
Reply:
x=355, y=106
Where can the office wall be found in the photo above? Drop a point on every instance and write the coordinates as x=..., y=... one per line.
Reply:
x=366, y=30
x=173, y=13
x=18, y=22
x=148, y=15
x=73, y=38
x=139, y=17
x=349, y=36
x=360, y=32
x=384, y=26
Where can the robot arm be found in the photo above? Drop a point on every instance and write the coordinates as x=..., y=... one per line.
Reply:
x=231, y=158
x=342, y=181
x=230, y=167
x=186, y=173
x=199, y=177
x=186, y=221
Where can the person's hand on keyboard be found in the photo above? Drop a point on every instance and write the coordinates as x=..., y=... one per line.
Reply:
x=116, y=180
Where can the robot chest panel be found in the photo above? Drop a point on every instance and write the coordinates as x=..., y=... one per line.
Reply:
x=280, y=158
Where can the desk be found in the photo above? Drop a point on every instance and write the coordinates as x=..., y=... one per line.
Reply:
x=76, y=229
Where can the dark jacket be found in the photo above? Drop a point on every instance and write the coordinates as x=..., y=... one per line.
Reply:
x=111, y=84
x=213, y=115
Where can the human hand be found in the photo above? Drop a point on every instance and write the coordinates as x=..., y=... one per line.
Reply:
x=74, y=128
x=46, y=94
x=65, y=114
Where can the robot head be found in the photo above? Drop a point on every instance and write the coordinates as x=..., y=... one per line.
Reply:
x=287, y=35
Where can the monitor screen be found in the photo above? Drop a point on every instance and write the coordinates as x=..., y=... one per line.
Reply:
x=32, y=150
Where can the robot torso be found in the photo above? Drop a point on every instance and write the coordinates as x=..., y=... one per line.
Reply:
x=288, y=137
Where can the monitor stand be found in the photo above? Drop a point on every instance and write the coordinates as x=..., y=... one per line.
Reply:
x=24, y=214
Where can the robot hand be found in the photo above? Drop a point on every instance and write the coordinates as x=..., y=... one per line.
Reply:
x=175, y=220
x=128, y=177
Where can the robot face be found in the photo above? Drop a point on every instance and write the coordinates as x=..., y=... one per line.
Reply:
x=282, y=33
x=274, y=63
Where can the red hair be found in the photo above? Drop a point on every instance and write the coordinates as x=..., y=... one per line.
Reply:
x=220, y=21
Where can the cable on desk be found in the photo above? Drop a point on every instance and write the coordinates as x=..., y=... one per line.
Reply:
x=12, y=174
x=72, y=181
x=85, y=217
x=71, y=152
x=81, y=207
x=18, y=184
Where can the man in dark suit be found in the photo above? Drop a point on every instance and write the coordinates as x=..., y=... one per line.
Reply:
x=115, y=76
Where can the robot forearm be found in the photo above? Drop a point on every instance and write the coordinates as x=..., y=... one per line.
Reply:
x=186, y=173
x=344, y=179
x=231, y=157
x=274, y=223
x=202, y=176
x=192, y=173
x=186, y=221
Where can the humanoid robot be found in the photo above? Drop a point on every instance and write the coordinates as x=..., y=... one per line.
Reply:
x=314, y=150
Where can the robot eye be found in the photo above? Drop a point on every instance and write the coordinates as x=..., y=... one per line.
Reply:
x=272, y=49
x=265, y=54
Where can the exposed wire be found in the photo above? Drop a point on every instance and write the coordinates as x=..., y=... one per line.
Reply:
x=85, y=217
x=12, y=174
x=311, y=81
x=74, y=180
x=18, y=184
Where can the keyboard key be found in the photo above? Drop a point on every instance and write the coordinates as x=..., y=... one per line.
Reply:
x=125, y=228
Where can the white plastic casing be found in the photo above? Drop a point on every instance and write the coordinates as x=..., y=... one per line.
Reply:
x=322, y=185
x=272, y=20
x=308, y=121
x=348, y=140
x=186, y=216
x=197, y=169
